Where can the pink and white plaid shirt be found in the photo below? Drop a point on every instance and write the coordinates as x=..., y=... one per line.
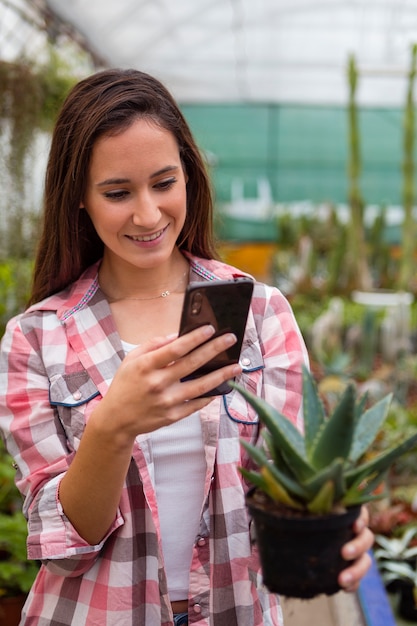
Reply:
x=57, y=361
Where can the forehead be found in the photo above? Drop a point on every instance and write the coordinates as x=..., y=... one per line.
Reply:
x=143, y=139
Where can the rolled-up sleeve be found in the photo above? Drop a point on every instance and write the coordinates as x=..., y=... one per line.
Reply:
x=36, y=439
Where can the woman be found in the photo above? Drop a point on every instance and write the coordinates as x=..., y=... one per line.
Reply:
x=134, y=500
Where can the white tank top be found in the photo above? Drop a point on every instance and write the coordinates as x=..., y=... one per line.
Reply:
x=179, y=470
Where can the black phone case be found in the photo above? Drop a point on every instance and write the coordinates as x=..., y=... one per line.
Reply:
x=225, y=305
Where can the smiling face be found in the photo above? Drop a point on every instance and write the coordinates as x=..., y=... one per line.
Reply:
x=136, y=197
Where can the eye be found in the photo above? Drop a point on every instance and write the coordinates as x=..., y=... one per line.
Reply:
x=117, y=194
x=167, y=183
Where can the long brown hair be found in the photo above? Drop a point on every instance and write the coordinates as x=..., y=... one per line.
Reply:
x=108, y=102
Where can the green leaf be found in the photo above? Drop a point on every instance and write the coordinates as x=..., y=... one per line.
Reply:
x=277, y=491
x=313, y=409
x=261, y=460
x=335, y=437
x=256, y=453
x=323, y=502
x=332, y=473
x=381, y=463
x=368, y=426
x=362, y=490
x=285, y=435
x=269, y=485
x=276, y=455
x=290, y=484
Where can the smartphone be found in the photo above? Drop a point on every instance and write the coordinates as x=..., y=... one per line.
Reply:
x=225, y=305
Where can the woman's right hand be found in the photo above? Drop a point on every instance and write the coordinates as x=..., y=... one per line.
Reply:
x=146, y=392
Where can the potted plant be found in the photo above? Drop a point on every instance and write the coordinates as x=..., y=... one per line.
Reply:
x=308, y=487
x=16, y=572
x=389, y=550
x=404, y=575
x=401, y=548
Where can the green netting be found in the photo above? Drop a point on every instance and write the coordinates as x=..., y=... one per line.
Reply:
x=302, y=150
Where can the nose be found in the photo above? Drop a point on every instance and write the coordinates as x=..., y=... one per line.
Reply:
x=146, y=212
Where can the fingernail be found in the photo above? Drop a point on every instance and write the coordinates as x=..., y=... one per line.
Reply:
x=209, y=330
x=230, y=338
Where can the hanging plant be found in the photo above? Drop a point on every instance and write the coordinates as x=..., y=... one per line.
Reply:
x=30, y=97
x=20, y=107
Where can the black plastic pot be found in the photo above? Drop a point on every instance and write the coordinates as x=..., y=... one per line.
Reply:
x=406, y=604
x=301, y=555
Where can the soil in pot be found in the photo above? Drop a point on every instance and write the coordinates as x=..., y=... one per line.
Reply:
x=300, y=554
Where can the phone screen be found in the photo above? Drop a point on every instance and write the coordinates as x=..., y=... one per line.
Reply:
x=224, y=305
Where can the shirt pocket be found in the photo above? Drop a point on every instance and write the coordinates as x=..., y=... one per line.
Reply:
x=236, y=407
x=70, y=394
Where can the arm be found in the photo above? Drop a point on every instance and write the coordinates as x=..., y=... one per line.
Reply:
x=91, y=481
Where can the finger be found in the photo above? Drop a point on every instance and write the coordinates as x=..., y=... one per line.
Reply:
x=192, y=389
x=350, y=577
x=174, y=350
x=362, y=521
x=153, y=344
x=360, y=544
x=184, y=357
x=203, y=354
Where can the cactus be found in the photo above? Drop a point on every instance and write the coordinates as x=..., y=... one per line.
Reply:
x=325, y=469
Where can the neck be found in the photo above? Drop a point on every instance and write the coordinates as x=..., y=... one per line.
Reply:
x=146, y=284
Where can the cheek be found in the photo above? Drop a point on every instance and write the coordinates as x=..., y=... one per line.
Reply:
x=104, y=224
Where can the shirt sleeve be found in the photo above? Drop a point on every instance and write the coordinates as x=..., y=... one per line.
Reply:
x=284, y=353
x=36, y=440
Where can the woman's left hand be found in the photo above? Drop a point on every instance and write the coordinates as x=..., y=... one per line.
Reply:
x=357, y=549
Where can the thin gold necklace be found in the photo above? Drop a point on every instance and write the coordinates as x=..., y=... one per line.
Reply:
x=163, y=294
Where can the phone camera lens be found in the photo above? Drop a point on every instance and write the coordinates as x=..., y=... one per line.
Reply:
x=196, y=303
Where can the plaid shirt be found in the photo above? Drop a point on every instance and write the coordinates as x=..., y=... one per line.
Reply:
x=57, y=360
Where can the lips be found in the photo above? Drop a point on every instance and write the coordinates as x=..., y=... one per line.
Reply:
x=146, y=238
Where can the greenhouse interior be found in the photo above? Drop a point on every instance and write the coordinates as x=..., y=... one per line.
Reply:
x=304, y=112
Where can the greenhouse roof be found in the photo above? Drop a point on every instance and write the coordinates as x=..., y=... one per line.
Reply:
x=267, y=50
x=292, y=51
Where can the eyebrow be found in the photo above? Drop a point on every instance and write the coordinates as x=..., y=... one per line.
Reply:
x=121, y=181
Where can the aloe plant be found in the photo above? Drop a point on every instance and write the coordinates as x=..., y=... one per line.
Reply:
x=325, y=468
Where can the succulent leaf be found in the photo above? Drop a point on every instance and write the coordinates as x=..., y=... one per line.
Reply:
x=336, y=434
x=361, y=405
x=256, y=479
x=277, y=491
x=283, y=478
x=256, y=453
x=368, y=425
x=276, y=454
x=323, y=501
x=292, y=485
x=363, y=490
x=396, y=547
x=333, y=473
x=325, y=467
x=286, y=436
x=312, y=408
x=379, y=464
